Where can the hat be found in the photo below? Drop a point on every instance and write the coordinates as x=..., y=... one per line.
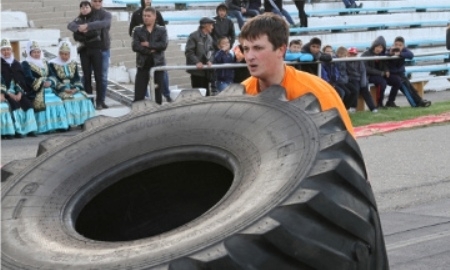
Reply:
x=34, y=46
x=64, y=47
x=353, y=50
x=5, y=43
x=206, y=20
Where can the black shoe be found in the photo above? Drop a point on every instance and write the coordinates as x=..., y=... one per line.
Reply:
x=19, y=136
x=391, y=104
x=99, y=107
x=169, y=99
x=32, y=134
x=425, y=103
x=104, y=106
x=7, y=137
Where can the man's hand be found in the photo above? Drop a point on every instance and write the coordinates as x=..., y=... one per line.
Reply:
x=199, y=65
x=83, y=28
x=209, y=63
x=145, y=44
x=243, y=10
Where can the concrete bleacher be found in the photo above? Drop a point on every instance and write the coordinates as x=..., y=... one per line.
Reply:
x=52, y=17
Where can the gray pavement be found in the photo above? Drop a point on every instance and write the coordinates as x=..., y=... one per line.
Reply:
x=410, y=176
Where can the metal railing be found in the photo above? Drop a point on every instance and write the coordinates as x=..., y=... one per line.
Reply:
x=239, y=65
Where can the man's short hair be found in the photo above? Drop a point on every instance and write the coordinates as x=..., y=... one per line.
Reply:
x=295, y=42
x=150, y=9
x=316, y=41
x=399, y=39
x=270, y=24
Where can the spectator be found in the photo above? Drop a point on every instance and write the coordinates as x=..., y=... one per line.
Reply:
x=7, y=130
x=351, y=4
x=300, y=4
x=224, y=77
x=49, y=109
x=313, y=48
x=265, y=39
x=240, y=74
x=90, y=50
x=357, y=76
x=397, y=71
x=276, y=6
x=136, y=17
x=294, y=53
x=149, y=42
x=448, y=38
x=78, y=106
x=14, y=93
x=200, y=52
x=101, y=21
x=239, y=9
x=330, y=73
x=352, y=91
x=378, y=72
x=224, y=27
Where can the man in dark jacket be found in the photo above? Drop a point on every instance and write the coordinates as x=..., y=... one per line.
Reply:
x=313, y=48
x=149, y=42
x=136, y=17
x=199, y=52
x=223, y=27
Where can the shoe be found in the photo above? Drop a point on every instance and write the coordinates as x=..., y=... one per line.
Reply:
x=7, y=137
x=391, y=104
x=374, y=110
x=104, y=106
x=99, y=107
x=19, y=136
x=351, y=110
x=169, y=99
x=32, y=134
x=425, y=103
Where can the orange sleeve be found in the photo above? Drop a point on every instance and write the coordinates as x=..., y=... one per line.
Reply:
x=298, y=83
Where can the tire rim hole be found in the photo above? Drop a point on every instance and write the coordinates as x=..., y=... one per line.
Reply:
x=154, y=201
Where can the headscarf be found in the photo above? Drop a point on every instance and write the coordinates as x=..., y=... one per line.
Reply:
x=63, y=46
x=5, y=43
x=31, y=46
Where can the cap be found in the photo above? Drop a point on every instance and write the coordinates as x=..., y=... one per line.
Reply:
x=353, y=50
x=5, y=43
x=64, y=47
x=205, y=20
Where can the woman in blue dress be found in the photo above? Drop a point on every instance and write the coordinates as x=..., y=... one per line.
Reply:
x=49, y=108
x=6, y=123
x=78, y=106
x=14, y=93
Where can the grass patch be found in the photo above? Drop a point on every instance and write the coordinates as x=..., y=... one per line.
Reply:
x=399, y=114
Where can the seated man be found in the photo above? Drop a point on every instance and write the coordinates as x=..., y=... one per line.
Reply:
x=239, y=9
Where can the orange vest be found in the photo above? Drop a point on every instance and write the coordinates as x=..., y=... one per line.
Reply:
x=298, y=83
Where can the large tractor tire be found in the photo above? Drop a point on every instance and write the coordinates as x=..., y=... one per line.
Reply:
x=224, y=182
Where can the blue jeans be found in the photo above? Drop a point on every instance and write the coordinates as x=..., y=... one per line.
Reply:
x=349, y=3
x=222, y=85
x=166, y=91
x=240, y=17
x=105, y=66
x=285, y=14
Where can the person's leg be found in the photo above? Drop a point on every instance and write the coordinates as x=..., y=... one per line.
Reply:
x=141, y=83
x=301, y=13
x=238, y=15
x=159, y=80
x=105, y=67
x=166, y=90
x=251, y=13
x=364, y=91
x=87, y=71
x=354, y=86
x=287, y=16
x=381, y=83
x=96, y=56
x=395, y=82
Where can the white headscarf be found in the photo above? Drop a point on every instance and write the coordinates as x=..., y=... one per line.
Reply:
x=31, y=46
x=66, y=47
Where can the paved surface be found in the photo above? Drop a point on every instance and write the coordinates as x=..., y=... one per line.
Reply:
x=410, y=176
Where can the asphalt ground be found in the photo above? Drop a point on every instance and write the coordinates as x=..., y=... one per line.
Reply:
x=409, y=172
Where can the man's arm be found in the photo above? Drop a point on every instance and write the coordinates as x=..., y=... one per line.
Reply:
x=73, y=26
x=103, y=21
x=189, y=52
x=160, y=44
x=136, y=43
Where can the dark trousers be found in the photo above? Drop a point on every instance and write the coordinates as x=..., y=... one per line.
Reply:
x=91, y=58
x=351, y=94
x=200, y=82
x=301, y=13
x=141, y=83
x=380, y=82
x=395, y=81
x=364, y=92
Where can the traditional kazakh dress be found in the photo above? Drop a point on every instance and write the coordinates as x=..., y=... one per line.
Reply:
x=78, y=106
x=49, y=108
x=6, y=124
x=22, y=112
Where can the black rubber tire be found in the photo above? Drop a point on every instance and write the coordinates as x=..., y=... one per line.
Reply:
x=298, y=197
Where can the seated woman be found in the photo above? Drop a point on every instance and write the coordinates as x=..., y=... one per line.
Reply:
x=78, y=106
x=7, y=125
x=13, y=83
x=49, y=109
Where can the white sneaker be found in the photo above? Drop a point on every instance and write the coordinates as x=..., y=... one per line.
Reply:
x=351, y=110
x=374, y=110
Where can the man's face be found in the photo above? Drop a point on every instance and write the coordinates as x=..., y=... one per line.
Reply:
x=295, y=48
x=6, y=52
x=209, y=27
x=149, y=18
x=262, y=60
x=222, y=13
x=399, y=45
x=378, y=49
x=65, y=56
x=96, y=4
x=314, y=48
x=148, y=3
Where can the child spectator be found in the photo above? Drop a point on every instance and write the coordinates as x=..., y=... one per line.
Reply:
x=294, y=53
x=224, y=77
x=351, y=91
x=397, y=72
x=357, y=76
x=330, y=73
x=313, y=48
x=378, y=71
x=223, y=27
